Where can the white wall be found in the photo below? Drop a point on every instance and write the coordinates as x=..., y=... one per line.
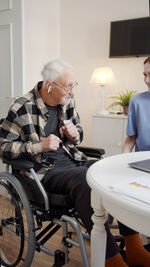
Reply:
x=78, y=32
x=41, y=36
x=85, y=26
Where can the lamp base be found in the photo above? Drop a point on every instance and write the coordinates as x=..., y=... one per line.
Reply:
x=103, y=112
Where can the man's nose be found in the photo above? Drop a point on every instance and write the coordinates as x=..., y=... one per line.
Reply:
x=71, y=93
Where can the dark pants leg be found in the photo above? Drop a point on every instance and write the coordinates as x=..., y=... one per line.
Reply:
x=112, y=248
x=72, y=181
x=125, y=230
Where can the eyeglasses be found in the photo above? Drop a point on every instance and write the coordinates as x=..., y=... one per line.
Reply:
x=66, y=88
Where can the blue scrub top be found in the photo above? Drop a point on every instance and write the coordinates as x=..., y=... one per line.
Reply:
x=139, y=120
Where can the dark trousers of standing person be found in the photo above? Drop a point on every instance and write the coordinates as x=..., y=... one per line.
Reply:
x=112, y=247
x=136, y=254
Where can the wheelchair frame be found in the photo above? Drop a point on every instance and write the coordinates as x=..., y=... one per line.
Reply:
x=25, y=209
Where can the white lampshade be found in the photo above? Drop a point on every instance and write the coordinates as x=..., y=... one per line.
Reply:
x=102, y=76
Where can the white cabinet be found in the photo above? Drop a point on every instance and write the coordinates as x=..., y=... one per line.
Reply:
x=109, y=132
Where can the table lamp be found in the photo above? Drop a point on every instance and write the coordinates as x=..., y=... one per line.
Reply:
x=102, y=77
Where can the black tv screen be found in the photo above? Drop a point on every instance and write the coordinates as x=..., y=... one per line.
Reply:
x=130, y=37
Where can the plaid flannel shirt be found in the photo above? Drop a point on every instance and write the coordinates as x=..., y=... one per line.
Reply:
x=22, y=131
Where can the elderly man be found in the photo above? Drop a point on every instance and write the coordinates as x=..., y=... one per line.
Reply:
x=43, y=126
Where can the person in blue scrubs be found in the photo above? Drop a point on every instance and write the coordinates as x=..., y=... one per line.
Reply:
x=138, y=136
x=138, y=127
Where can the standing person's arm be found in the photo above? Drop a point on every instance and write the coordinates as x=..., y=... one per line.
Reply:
x=129, y=143
x=131, y=128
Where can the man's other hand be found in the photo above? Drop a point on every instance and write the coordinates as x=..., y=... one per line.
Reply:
x=51, y=143
x=70, y=131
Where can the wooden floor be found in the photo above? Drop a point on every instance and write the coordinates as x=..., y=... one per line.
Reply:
x=41, y=259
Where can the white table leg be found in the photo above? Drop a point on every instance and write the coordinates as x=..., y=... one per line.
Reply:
x=98, y=234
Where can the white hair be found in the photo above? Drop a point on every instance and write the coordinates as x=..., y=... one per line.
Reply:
x=53, y=70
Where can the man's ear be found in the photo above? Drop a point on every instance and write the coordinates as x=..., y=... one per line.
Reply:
x=48, y=86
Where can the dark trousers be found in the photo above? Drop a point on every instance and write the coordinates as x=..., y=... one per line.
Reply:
x=112, y=248
x=72, y=181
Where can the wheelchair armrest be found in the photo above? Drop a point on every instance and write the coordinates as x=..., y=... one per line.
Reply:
x=19, y=164
x=92, y=151
x=27, y=165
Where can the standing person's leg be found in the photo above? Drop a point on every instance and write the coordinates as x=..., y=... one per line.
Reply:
x=113, y=256
x=135, y=252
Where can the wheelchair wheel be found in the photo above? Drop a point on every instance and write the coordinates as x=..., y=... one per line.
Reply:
x=17, y=236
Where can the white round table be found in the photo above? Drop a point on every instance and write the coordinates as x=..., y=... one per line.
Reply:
x=133, y=213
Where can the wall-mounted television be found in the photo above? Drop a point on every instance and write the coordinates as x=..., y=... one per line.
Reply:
x=130, y=37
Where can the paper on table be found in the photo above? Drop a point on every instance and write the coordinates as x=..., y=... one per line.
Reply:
x=138, y=188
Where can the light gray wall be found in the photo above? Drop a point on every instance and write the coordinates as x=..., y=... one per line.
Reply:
x=85, y=26
x=41, y=35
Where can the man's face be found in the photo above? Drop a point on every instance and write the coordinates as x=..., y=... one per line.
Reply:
x=61, y=90
x=147, y=74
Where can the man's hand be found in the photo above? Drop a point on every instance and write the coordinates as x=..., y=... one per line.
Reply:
x=51, y=143
x=70, y=130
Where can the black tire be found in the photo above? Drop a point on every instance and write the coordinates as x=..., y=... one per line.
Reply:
x=17, y=236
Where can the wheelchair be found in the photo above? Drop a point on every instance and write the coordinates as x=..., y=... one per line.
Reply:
x=25, y=206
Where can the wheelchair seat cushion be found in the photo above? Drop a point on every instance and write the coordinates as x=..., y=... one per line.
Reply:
x=34, y=194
